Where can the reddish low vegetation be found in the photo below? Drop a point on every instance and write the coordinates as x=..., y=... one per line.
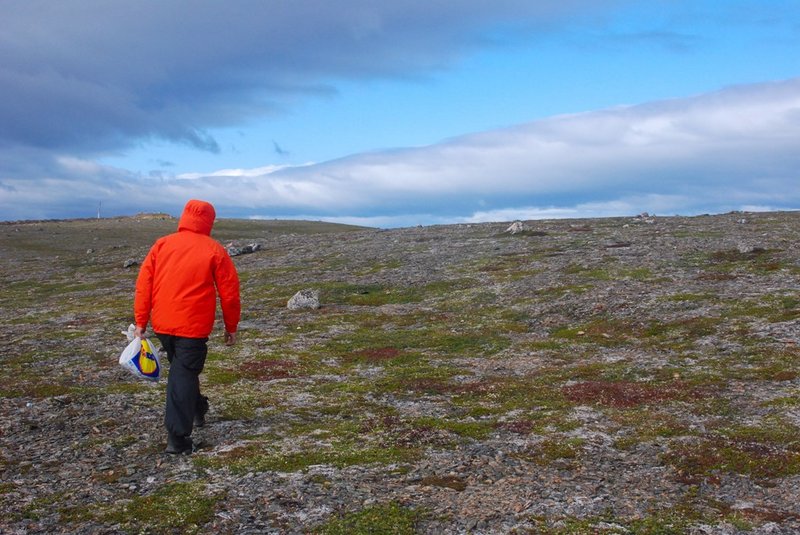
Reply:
x=267, y=370
x=622, y=394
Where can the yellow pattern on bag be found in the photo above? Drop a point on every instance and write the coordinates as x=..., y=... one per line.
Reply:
x=147, y=364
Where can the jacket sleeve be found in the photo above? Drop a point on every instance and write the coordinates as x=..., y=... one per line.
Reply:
x=227, y=280
x=143, y=298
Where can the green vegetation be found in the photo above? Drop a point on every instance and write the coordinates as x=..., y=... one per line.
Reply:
x=773, y=308
x=557, y=448
x=376, y=295
x=437, y=339
x=387, y=519
x=341, y=451
x=610, y=332
x=647, y=424
x=186, y=507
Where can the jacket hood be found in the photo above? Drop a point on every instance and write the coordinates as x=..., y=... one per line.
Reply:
x=198, y=216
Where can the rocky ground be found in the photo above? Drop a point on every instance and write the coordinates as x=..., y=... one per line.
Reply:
x=626, y=375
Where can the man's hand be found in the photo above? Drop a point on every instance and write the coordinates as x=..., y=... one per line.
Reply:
x=230, y=338
x=139, y=332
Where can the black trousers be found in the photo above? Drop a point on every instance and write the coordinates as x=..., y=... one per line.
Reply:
x=187, y=356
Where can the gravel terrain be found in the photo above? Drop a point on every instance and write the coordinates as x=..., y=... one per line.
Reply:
x=620, y=375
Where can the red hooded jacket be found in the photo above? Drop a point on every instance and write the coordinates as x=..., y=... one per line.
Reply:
x=181, y=275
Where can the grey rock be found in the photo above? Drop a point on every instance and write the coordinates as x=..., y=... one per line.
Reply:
x=245, y=249
x=304, y=299
x=748, y=248
x=515, y=228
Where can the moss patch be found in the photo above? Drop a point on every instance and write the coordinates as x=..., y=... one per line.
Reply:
x=184, y=507
x=387, y=519
x=555, y=449
x=261, y=457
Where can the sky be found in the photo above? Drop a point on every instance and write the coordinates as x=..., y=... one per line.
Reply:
x=402, y=113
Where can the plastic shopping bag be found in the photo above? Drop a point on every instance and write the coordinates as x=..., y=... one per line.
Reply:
x=140, y=358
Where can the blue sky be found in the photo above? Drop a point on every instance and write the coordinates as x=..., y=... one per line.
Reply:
x=401, y=113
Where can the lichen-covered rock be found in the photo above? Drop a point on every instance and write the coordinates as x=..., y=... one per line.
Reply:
x=304, y=299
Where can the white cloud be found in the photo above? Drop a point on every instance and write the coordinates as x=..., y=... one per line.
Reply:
x=652, y=204
x=761, y=208
x=738, y=139
x=257, y=171
x=723, y=149
x=716, y=152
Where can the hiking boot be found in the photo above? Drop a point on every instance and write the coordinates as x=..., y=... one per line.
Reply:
x=200, y=412
x=179, y=445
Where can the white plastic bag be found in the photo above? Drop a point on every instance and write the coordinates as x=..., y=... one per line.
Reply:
x=140, y=357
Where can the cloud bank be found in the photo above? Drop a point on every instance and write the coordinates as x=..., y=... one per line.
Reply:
x=97, y=75
x=734, y=149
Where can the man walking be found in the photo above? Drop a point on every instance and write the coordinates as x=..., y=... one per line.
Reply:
x=177, y=292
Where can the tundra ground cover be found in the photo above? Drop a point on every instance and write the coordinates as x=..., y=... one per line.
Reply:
x=597, y=376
